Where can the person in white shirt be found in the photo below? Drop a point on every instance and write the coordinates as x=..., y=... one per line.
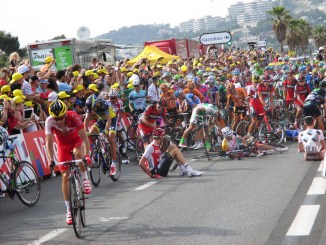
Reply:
x=154, y=90
x=311, y=141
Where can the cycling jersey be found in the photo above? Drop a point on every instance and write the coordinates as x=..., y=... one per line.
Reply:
x=195, y=92
x=153, y=115
x=67, y=137
x=103, y=109
x=204, y=90
x=214, y=92
x=311, y=140
x=192, y=100
x=170, y=99
x=238, y=97
x=202, y=110
x=302, y=91
x=138, y=100
x=290, y=85
x=232, y=144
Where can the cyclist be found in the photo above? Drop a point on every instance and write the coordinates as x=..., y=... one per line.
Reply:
x=311, y=141
x=201, y=111
x=153, y=115
x=238, y=96
x=301, y=92
x=68, y=129
x=192, y=90
x=289, y=85
x=258, y=102
x=312, y=103
x=232, y=141
x=160, y=154
x=106, y=123
x=168, y=95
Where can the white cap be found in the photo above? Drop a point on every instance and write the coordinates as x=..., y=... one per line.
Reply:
x=22, y=69
x=321, y=48
x=52, y=96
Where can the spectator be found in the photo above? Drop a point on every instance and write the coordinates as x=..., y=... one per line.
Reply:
x=6, y=90
x=154, y=92
x=13, y=62
x=42, y=85
x=4, y=76
x=17, y=81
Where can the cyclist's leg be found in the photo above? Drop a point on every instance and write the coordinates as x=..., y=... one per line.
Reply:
x=79, y=153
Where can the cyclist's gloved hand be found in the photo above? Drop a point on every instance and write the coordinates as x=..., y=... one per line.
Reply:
x=88, y=160
x=106, y=132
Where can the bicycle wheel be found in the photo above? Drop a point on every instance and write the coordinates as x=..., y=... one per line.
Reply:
x=118, y=167
x=132, y=132
x=96, y=168
x=127, y=149
x=140, y=149
x=273, y=137
x=27, y=183
x=242, y=128
x=75, y=205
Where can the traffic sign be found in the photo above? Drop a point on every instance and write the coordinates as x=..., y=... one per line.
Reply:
x=215, y=38
x=261, y=44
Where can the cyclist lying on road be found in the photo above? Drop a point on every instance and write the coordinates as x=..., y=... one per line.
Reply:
x=159, y=155
x=232, y=142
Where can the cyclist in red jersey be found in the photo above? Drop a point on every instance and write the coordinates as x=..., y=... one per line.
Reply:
x=301, y=91
x=153, y=115
x=70, y=135
x=289, y=85
x=259, y=95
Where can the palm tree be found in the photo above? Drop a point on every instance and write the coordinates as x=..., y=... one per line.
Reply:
x=298, y=33
x=319, y=35
x=281, y=15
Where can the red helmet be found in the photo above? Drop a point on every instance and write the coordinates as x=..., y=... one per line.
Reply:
x=158, y=132
x=162, y=103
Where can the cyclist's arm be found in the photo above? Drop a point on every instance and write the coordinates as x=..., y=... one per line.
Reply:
x=146, y=122
x=49, y=146
x=108, y=122
x=261, y=99
x=86, y=122
x=131, y=105
x=228, y=98
x=271, y=99
x=82, y=135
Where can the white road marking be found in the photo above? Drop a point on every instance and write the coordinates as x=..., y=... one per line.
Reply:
x=112, y=218
x=148, y=184
x=49, y=236
x=320, y=166
x=318, y=186
x=304, y=220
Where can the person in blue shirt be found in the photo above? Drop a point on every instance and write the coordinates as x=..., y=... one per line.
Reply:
x=62, y=85
x=137, y=98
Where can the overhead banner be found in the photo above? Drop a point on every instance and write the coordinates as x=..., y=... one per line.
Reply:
x=215, y=38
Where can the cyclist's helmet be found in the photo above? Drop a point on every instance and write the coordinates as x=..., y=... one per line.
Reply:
x=191, y=85
x=230, y=87
x=3, y=135
x=227, y=132
x=57, y=108
x=322, y=84
x=256, y=79
x=164, y=86
x=302, y=68
x=113, y=93
x=162, y=102
x=276, y=78
x=236, y=71
x=158, y=132
x=320, y=91
x=176, y=77
x=91, y=102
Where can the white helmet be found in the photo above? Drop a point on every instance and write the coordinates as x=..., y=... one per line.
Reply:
x=3, y=135
x=113, y=93
x=227, y=132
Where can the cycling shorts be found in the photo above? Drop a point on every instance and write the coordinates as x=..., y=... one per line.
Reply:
x=257, y=111
x=64, y=153
x=164, y=165
x=238, y=110
x=101, y=123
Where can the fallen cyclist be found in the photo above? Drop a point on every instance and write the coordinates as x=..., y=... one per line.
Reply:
x=159, y=155
x=234, y=142
x=311, y=141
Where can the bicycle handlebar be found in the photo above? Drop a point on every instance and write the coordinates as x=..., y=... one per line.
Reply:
x=53, y=164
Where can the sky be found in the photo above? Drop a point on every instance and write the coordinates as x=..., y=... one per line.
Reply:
x=43, y=20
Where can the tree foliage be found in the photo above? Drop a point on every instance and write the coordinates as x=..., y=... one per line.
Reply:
x=8, y=43
x=319, y=35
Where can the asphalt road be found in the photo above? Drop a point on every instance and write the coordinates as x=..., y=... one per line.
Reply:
x=276, y=199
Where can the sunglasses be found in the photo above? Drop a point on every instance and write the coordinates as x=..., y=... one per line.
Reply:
x=114, y=98
x=58, y=118
x=160, y=107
